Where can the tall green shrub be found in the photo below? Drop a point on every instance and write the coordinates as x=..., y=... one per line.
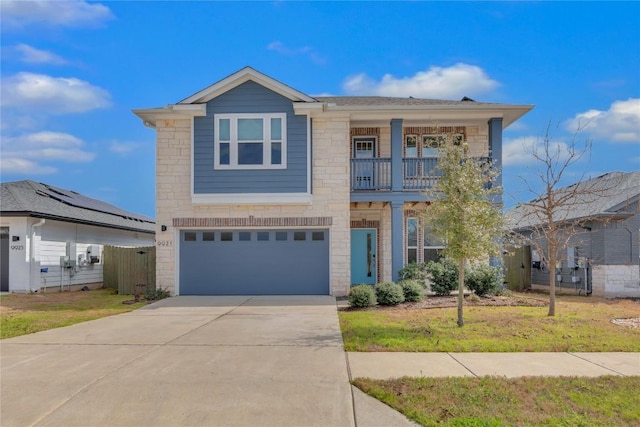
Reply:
x=484, y=279
x=443, y=275
x=413, y=271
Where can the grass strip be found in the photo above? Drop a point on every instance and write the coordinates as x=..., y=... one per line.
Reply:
x=579, y=327
x=528, y=401
x=23, y=314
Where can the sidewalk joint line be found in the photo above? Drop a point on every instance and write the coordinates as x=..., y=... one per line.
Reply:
x=462, y=364
x=597, y=364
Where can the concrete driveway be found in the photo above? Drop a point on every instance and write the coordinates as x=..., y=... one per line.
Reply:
x=200, y=361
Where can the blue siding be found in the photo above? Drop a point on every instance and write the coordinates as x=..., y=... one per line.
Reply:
x=250, y=97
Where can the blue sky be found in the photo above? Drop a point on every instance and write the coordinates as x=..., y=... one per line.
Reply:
x=73, y=71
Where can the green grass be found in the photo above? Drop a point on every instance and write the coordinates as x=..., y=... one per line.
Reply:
x=581, y=325
x=29, y=313
x=529, y=401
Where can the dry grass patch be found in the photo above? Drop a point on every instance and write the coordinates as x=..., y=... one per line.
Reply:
x=582, y=324
x=530, y=401
x=22, y=314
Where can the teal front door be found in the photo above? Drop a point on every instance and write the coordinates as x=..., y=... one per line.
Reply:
x=363, y=257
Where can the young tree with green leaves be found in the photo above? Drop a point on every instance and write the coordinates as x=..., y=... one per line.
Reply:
x=465, y=211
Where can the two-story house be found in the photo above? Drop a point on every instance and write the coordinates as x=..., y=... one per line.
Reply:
x=262, y=189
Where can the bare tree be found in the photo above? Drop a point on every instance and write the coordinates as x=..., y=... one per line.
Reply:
x=557, y=215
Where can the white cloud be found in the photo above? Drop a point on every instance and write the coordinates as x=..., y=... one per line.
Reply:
x=308, y=51
x=31, y=153
x=31, y=55
x=519, y=151
x=437, y=82
x=122, y=148
x=621, y=123
x=17, y=166
x=53, y=95
x=18, y=14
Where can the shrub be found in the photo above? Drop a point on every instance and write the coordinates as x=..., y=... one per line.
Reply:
x=483, y=279
x=362, y=296
x=413, y=290
x=443, y=275
x=389, y=293
x=156, y=294
x=413, y=271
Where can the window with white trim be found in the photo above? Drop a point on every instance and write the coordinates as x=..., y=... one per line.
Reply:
x=427, y=248
x=432, y=245
x=412, y=240
x=250, y=141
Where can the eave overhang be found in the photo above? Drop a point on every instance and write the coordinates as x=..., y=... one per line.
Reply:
x=149, y=116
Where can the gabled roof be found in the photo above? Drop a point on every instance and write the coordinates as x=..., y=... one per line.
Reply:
x=359, y=107
x=615, y=194
x=239, y=77
x=38, y=200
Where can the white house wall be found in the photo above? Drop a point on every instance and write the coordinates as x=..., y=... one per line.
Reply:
x=50, y=243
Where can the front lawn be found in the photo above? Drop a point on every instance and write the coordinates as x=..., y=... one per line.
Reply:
x=582, y=324
x=22, y=314
x=529, y=401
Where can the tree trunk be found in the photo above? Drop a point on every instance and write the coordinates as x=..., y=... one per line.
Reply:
x=460, y=292
x=552, y=282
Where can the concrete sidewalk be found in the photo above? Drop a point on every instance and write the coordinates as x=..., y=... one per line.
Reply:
x=395, y=365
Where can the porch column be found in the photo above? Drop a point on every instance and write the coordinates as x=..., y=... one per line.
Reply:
x=397, y=239
x=396, y=154
x=495, y=147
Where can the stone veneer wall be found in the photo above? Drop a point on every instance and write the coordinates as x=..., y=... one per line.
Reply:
x=330, y=196
x=616, y=281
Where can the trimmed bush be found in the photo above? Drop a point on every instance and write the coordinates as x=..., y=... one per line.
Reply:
x=483, y=279
x=362, y=296
x=389, y=293
x=443, y=275
x=413, y=271
x=413, y=290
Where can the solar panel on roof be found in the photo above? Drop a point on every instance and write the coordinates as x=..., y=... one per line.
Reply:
x=80, y=201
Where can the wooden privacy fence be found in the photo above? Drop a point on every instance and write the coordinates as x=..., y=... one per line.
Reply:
x=129, y=270
x=517, y=268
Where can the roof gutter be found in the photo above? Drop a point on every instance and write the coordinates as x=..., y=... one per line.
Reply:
x=75, y=221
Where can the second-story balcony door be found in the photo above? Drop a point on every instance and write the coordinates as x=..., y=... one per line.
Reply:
x=364, y=148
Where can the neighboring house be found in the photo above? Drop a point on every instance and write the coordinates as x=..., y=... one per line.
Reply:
x=262, y=189
x=602, y=255
x=53, y=238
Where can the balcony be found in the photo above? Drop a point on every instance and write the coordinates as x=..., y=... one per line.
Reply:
x=375, y=174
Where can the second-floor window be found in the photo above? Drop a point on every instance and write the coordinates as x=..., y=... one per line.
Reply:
x=250, y=141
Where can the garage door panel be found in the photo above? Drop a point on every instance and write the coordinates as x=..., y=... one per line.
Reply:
x=253, y=266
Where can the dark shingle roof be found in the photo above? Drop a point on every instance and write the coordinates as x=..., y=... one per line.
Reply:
x=30, y=198
x=611, y=193
x=354, y=101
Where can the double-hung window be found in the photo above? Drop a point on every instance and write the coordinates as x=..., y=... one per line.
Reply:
x=250, y=141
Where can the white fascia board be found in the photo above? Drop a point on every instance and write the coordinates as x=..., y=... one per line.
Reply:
x=302, y=108
x=240, y=77
x=149, y=116
x=252, y=199
x=510, y=113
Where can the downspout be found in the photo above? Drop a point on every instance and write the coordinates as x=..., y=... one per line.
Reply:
x=32, y=257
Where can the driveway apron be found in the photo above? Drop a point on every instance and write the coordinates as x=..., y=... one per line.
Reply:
x=198, y=361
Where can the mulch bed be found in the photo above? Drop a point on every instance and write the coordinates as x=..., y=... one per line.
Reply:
x=452, y=301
